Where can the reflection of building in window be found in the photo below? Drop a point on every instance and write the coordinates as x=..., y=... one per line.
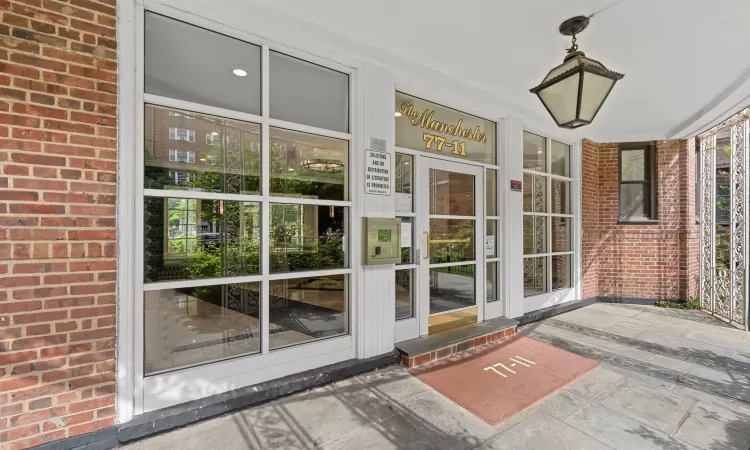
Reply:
x=213, y=138
x=181, y=156
x=182, y=177
x=182, y=217
x=180, y=114
x=181, y=134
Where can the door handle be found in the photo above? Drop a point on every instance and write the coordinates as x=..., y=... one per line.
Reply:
x=427, y=245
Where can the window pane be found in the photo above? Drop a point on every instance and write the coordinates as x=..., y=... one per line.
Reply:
x=196, y=65
x=308, y=166
x=561, y=271
x=306, y=93
x=451, y=240
x=452, y=288
x=534, y=235
x=404, y=182
x=193, y=239
x=307, y=237
x=632, y=205
x=560, y=197
x=534, y=152
x=633, y=165
x=404, y=294
x=451, y=193
x=561, y=234
x=534, y=193
x=231, y=165
x=407, y=240
x=491, y=241
x=534, y=276
x=189, y=326
x=309, y=308
x=492, y=282
x=560, y=159
x=491, y=192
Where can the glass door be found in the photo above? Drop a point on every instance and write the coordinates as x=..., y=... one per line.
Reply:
x=450, y=213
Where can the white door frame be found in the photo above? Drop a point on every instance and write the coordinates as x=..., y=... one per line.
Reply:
x=422, y=301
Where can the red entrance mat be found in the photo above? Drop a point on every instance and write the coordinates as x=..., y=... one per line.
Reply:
x=497, y=381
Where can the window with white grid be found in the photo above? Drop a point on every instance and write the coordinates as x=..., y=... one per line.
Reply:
x=181, y=134
x=249, y=252
x=181, y=156
x=547, y=216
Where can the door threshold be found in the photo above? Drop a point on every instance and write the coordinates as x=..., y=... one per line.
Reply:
x=421, y=350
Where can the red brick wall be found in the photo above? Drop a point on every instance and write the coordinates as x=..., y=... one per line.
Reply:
x=590, y=218
x=655, y=261
x=58, y=94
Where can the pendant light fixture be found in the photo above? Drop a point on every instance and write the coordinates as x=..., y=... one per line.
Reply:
x=574, y=91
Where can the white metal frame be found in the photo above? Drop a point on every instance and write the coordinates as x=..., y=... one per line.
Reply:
x=136, y=392
x=422, y=227
x=554, y=297
x=412, y=327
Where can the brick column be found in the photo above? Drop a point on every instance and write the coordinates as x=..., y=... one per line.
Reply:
x=590, y=218
x=58, y=97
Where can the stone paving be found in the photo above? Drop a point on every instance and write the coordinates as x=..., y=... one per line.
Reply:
x=669, y=379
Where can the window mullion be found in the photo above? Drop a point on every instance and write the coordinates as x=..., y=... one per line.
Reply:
x=265, y=174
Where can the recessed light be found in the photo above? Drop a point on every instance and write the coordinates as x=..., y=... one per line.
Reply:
x=239, y=72
x=214, y=133
x=406, y=163
x=291, y=170
x=539, y=151
x=398, y=114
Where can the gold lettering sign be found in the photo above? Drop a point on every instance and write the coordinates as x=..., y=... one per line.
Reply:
x=421, y=125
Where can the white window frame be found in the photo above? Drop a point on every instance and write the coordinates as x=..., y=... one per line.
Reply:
x=138, y=394
x=187, y=176
x=212, y=139
x=175, y=156
x=557, y=296
x=180, y=114
x=174, y=134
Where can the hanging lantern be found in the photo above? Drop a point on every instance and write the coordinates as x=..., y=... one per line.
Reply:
x=574, y=91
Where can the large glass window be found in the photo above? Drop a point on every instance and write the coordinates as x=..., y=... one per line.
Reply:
x=547, y=216
x=235, y=209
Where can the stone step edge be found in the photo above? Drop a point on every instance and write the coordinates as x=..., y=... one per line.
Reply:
x=424, y=358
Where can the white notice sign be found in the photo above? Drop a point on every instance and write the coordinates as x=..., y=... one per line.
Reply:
x=489, y=245
x=403, y=202
x=378, y=173
x=405, y=234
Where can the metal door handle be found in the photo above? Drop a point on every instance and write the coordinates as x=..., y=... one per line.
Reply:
x=427, y=244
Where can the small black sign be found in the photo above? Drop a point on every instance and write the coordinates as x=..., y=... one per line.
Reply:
x=516, y=186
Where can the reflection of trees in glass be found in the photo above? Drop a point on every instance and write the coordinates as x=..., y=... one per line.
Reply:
x=451, y=240
x=297, y=245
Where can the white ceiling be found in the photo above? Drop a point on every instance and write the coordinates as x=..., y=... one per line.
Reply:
x=686, y=62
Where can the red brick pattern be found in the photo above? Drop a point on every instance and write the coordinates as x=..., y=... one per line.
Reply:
x=58, y=99
x=444, y=352
x=654, y=261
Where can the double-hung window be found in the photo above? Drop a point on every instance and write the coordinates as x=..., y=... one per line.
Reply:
x=181, y=134
x=248, y=253
x=181, y=156
x=548, y=220
x=637, y=182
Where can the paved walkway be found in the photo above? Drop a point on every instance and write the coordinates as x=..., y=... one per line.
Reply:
x=669, y=379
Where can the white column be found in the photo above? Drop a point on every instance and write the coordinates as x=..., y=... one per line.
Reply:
x=511, y=168
x=376, y=309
